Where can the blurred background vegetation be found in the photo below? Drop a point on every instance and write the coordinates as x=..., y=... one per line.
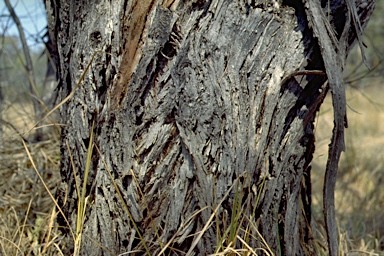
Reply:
x=27, y=215
x=14, y=80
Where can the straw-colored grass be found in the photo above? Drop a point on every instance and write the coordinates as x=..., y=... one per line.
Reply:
x=27, y=216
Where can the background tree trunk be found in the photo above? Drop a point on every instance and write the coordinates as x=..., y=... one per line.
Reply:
x=187, y=99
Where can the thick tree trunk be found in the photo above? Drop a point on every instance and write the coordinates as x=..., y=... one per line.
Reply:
x=203, y=116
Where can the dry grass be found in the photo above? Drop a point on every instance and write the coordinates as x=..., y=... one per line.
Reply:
x=27, y=214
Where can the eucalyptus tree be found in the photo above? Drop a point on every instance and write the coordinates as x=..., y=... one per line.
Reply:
x=188, y=125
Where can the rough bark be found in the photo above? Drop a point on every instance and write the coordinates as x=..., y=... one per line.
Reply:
x=188, y=98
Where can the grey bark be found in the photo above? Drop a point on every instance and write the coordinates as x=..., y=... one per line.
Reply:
x=188, y=98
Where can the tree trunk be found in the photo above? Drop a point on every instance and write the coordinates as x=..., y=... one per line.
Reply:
x=202, y=117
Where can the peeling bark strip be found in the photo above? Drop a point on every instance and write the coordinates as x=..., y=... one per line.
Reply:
x=334, y=52
x=191, y=98
x=332, y=57
x=134, y=22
